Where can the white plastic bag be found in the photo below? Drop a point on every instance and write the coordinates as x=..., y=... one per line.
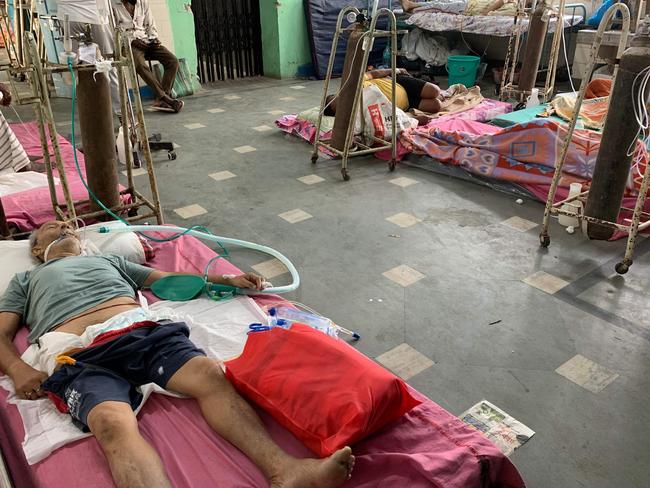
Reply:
x=378, y=114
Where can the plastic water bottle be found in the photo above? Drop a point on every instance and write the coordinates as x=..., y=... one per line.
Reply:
x=533, y=99
x=291, y=315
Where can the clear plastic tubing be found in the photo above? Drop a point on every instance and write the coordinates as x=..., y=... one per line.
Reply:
x=222, y=240
x=293, y=315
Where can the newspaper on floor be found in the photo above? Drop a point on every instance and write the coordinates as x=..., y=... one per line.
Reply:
x=502, y=429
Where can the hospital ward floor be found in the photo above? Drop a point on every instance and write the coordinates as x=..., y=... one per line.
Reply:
x=444, y=279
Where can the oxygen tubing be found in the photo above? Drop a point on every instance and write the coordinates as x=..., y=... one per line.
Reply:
x=223, y=240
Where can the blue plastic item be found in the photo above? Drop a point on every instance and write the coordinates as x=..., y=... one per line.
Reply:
x=597, y=17
x=257, y=327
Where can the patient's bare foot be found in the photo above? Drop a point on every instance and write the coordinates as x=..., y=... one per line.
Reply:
x=330, y=472
x=408, y=5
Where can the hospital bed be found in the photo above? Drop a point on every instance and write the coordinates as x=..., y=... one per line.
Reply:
x=26, y=196
x=487, y=35
x=426, y=447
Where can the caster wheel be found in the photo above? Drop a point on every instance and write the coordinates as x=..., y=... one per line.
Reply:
x=544, y=240
x=314, y=158
x=133, y=212
x=622, y=268
x=171, y=155
x=345, y=174
x=392, y=165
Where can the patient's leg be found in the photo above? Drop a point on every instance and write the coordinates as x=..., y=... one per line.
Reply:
x=430, y=101
x=133, y=461
x=232, y=418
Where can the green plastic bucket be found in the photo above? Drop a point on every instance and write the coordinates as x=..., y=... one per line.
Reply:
x=462, y=69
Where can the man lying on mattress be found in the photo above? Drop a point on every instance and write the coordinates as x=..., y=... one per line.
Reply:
x=410, y=92
x=465, y=7
x=83, y=295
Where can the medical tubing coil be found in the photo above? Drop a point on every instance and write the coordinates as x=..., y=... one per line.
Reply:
x=225, y=241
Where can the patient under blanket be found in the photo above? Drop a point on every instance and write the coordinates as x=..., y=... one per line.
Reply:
x=218, y=328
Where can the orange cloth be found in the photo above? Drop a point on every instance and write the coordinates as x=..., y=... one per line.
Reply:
x=597, y=88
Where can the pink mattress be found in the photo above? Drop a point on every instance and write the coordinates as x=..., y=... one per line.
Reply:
x=486, y=110
x=427, y=447
x=29, y=209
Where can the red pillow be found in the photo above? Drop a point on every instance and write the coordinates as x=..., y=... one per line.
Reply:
x=326, y=393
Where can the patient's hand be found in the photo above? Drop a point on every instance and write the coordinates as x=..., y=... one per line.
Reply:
x=27, y=381
x=248, y=280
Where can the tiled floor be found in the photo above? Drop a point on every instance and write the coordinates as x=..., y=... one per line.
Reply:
x=444, y=279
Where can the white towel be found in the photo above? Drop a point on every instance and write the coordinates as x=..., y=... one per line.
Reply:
x=219, y=328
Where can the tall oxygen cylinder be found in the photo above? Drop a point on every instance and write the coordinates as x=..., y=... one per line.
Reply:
x=621, y=128
x=534, y=47
x=345, y=100
x=97, y=134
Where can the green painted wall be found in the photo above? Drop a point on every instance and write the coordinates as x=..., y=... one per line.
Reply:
x=182, y=25
x=285, y=41
x=270, y=38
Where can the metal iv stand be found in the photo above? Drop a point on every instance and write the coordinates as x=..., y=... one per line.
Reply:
x=577, y=202
x=123, y=62
x=368, y=38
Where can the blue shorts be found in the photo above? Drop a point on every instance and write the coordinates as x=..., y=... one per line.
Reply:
x=148, y=352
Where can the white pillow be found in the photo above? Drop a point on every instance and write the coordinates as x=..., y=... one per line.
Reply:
x=16, y=258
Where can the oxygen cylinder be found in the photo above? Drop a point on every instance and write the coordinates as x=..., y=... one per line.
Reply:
x=351, y=73
x=96, y=121
x=534, y=47
x=621, y=128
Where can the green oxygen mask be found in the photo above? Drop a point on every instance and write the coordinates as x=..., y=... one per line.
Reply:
x=181, y=288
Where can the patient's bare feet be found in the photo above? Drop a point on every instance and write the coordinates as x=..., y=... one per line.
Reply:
x=330, y=472
x=408, y=5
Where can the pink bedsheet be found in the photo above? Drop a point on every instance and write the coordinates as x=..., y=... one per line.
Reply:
x=427, y=447
x=486, y=110
x=29, y=209
x=523, y=154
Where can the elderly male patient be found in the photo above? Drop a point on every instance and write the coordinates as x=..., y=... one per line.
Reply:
x=72, y=293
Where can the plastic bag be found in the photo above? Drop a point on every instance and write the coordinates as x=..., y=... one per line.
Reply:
x=378, y=115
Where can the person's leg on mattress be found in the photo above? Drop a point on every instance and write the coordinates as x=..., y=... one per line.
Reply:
x=233, y=418
x=430, y=99
x=422, y=95
x=133, y=462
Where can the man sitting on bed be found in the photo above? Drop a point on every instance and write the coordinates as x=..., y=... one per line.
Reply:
x=410, y=92
x=69, y=293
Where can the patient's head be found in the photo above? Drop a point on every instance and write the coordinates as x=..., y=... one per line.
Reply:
x=61, y=238
x=330, y=106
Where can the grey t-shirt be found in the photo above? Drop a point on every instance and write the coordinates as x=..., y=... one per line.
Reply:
x=62, y=288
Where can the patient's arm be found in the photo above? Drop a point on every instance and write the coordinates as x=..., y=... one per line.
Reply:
x=27, y=380
x=383, y=73
x=247, y=280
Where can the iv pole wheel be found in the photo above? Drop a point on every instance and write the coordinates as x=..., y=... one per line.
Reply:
x=391, y=165
x=345, y=174
x=544, y=240
x=622, y=267
x=171, y=155
x=314, y=158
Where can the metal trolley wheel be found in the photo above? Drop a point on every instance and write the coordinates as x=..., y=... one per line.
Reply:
x=623, y=267
x=544, y=240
